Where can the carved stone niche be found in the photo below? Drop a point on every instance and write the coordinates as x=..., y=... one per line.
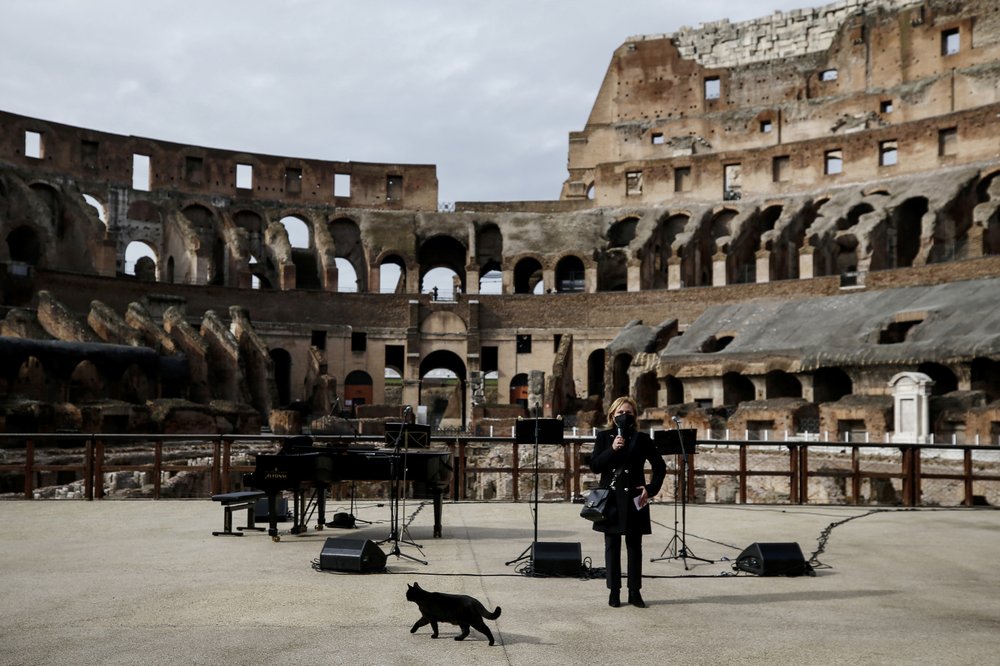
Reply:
x=911, y=398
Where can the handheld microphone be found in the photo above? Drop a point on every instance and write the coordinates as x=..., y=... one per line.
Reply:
x=407, y=410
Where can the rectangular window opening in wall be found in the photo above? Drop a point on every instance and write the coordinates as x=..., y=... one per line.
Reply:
x=951, y=41
x=393, y=188
x=833, y=162
x=88, y=153
x=885, y=106
x=682, y=179
x=658, y=138
x=140, y=172
x=948, y=141
x=781, y=168
x=194, y=170
x=359, y=341
x=556, y=341
x=318, y=340
x=732, y=185
x=633, y=183
x=524, y=344
x=395, y=357
x=341, y=184
x=888, y=153
x=244, y=176
x=828, y=75
x=293, y=180
x=33, y=146
x=713, y=87
x=489, y=359
x=766, y=127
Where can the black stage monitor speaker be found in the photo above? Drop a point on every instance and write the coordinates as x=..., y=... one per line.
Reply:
x=552, y=558
x=358, y=555
x=773, y=559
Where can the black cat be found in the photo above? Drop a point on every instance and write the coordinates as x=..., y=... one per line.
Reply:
x=460, y=609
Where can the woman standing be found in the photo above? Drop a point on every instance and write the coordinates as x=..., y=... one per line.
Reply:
x=620, y=455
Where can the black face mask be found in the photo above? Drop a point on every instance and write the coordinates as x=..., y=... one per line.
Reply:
x=625, y=421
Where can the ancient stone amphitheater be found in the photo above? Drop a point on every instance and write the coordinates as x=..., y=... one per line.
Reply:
x=762, y=224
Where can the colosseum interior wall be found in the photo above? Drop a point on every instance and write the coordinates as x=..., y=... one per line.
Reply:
x=762, y=223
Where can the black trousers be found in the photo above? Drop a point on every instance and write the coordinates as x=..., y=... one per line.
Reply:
x=613, y=560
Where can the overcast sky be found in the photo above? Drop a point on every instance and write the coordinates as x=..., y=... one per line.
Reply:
x=487, y=91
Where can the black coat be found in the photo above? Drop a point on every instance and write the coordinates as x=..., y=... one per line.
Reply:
x=625, y=519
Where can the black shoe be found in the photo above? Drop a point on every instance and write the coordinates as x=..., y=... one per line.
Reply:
x=615, y=599
x=635, y=599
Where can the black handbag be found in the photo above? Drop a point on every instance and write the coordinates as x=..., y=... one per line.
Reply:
x=596, y=507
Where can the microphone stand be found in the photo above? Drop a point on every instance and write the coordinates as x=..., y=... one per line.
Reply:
x=352, y=520
x=683, y=553
x=397, y=489
x=529, y=552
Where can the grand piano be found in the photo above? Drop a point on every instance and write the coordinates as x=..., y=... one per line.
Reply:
x=300, y=467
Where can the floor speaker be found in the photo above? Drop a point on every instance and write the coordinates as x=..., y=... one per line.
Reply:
x=773, y=559
x=357, y=555
x=553, y=558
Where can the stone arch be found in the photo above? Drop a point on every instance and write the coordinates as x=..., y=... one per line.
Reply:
x=48, y=198
x=358, y=389
x=622, y=232
x=444, y=397
x=906, y=229
x=253, y=224
x=985, y=377
x=85, y=383
x=518, y=394
x=674, y=388
x=646, y=388
x=831, y=384
x=945, y=379
x=393, y=272
x=443, y=251
x=135, y=386
x=528, y=276
x=595, y=373
x=570, y=274
x=781, y=384
x=282, y=363
x=619, y=375
x=141, y=260
x=201, y=217
x=659, y=251
x=32, y=380
x=737, y=388
x=489, y=245
x=24, y=244
x=348, y=245
x=491, y=278
x=99, y=207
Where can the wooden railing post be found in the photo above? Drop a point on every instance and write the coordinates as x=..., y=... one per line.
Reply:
x=88, y=469
x=743, y=473
x=29, y=469
x=99, y=469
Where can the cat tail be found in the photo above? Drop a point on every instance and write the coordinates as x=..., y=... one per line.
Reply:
x=491, y=616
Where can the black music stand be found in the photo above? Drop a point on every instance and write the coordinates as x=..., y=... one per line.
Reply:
x=402, y=434
x=683, y=443
x=536, y=431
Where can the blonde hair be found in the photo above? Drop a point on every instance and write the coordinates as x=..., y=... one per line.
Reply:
x=618, y=403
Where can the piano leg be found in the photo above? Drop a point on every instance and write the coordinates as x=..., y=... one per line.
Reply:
x=272, y=516
x=438, y=501
x=320, y=507
x=299, y=512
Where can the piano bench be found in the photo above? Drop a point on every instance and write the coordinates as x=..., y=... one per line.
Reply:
x=237, y=501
